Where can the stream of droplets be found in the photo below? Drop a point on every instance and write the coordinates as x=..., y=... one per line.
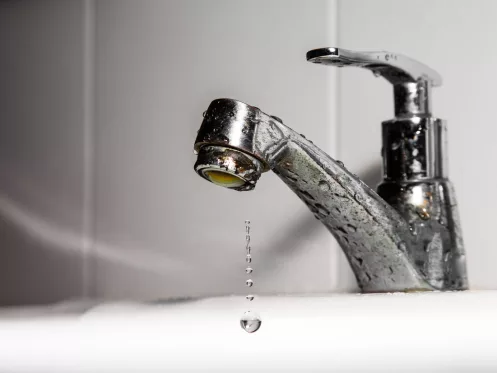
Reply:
x=250, y=320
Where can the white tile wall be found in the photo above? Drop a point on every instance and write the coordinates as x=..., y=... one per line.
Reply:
x=160, y=229
x=41, y=150
x=99, y=106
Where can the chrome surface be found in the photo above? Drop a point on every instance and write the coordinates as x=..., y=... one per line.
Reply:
x=405, y=238
x=411, y=79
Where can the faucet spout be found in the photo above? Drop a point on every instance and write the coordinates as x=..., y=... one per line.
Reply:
x=375, y=238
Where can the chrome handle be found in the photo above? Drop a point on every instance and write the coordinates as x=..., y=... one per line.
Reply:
x=394, y=67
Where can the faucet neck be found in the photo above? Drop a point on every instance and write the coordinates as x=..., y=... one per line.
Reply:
x=412, y=99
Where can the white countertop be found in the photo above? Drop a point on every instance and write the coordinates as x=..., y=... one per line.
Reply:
x=429, y=332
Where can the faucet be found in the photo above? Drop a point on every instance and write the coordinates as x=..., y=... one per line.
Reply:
x=407, y=236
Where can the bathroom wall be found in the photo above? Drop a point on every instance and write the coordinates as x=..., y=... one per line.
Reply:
x=100, y=102
x=160, y=230
x=99, y=116
x=42, y=140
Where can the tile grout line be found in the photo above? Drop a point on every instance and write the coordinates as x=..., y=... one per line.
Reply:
x=340, y=281
x=88, y=147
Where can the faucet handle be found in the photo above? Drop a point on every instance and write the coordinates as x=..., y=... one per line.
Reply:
x=412, y=80
x=395, y=68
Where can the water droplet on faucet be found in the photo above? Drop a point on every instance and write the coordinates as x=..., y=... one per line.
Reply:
x=324, y=186
x=358, y=198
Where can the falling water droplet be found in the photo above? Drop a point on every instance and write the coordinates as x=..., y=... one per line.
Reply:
x=203, y=114
x=402, y=246
x=249, y=283
x=250, y=322
x=250, y=298
x=248, y=250
x=248, y=270
x=248, y=259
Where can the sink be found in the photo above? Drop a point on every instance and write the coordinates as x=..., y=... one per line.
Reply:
x=398, y=332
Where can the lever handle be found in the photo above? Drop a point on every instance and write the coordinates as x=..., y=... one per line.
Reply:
x=395, y=68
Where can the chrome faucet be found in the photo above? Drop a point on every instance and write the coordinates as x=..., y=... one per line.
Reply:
x=407, y=236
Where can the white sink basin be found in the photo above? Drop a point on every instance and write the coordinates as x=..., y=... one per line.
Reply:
x=429, y=332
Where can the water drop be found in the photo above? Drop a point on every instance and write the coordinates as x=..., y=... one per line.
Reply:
x=413, y=230
x=351, y=228
x=247, y=237
x=395, y=145
x=248, y=270
x=306, y=194
x=303, y=136
x=340, y=163
x=376, y=73
x=249, y=283
x=423, y=213
x=203, y=114
x=402, y=246
x=195, y=152
x=231, y=114
x=342, y=179
x=250, y=298
x=250, y=322
x=247, y=221
x=322, y=211
x=223, y=138
x=324, y=186
x=248, y=250
x=387, y=57
x=248, y=258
